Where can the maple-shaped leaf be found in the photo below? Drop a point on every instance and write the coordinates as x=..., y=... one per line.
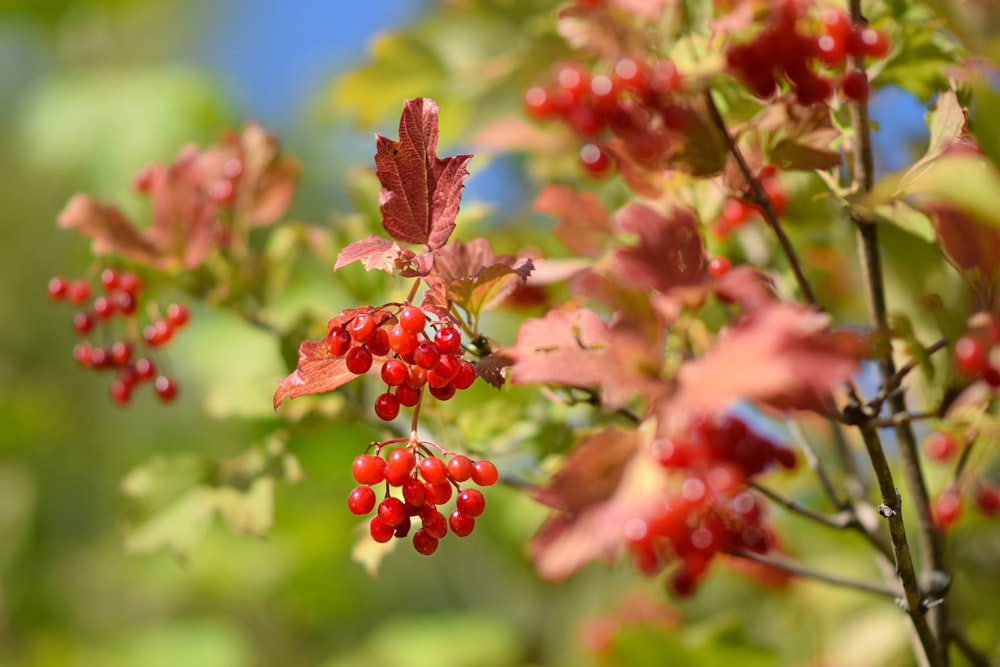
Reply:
x=319, y=371
x=490, y=368
x=584, y=224
x=374, y=252
x=608, y=479
x=464, y=260
x=566, y=349
x=669, y=253
x=421, y=192
x=782, y=355
x=108, y=229
x=487, y=288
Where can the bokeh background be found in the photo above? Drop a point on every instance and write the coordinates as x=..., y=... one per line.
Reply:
x=90, y=92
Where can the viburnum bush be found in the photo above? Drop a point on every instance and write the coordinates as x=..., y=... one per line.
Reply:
x=710, y=168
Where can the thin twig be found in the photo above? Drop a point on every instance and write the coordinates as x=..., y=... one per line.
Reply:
x=893, y=383
x=813, y=461
x=899, y=418
x=760, y=198
x=842, y=519
x=968, y=649
x=792, y=567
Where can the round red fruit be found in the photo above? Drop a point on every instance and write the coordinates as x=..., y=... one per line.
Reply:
x=538, y=103
x=471, y=502
x=412, y=319
x=987, y=498
x=414, y=493
x=407, y=395
x=129, y=283
x=424, y=542
x=392, y=511
x=386, y=407
x=595, y=160
x=719, y=266
x=433, y=470
x=484, y=473
x=109, y=279
x=435, y=524
x=401, y=461
x=460, y=468
x=166, y=388
x=178, y=315
x=947, y=509
x=438, y=493
x=83, y=323
x=378, y=344
x=443, y=393
x=394, y=372
x=359, y=360
x=402, y=341
x=58, y=287
x=971, y=354
x=338, y=341
x=145, y=369
x=855, y=86
x=121, y=392
x=465, y=375
x=941, y=446
x=361, y=500
x=103, y=307
x=380, y=531
x=78, y=292
x=460, y=524
x=362, y=327
x=426, y=355
x=368, y=469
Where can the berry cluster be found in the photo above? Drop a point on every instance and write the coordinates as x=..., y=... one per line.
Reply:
x=118, y=298
x=712, y=511
x=416, y=357
x=941, y=447
x=791, y=47
x=977, y=352
x=637, y=101
x=738, y=209
x=424, y=482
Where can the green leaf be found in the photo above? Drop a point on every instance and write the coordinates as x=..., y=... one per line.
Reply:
x=920, y=60
x=983, y=120
x=907, y=218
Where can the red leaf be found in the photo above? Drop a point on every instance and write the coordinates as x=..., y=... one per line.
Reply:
x=669, y=253
x=567, y=349
x=972, y=245
x=108, y=228
x=421, y=192
x=584, y=224
x=375, y=252
x=783, y=355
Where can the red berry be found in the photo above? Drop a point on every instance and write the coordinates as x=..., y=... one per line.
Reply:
x=401, y=461
x=538, y=103
x=145, y=369
x=424, y=543
x=470, y=502
x=855, y=86
x=403, y=529
x=378, y=344
x=465, y=375
x=631, y=75
x=121, y=392
x=438, y=493
x=735, y=212
x=109, y=279
x=157, y=333
x=414, y=492
x=100, y=357
x=719, y=266
x=484, y=473
x=461, y=524
x=870, y=42
x=433, y=469
x=436, y=380
x=394, y=372
x=595, y=161
x=129, y=283
x=402, y=341
x=407, y=395
x=971, y=354
x=338, y=341
x=166, y=388
x=359, y=360
x=448, y=340
x=426, y=355
x=392, y=511
x=121, y=353
x=442, y=393
x=178, y=315
x=58, y=287
x=435, y=524
x=83, y=323
x=78, y=292
x=380, y=531
x=361, y=500
x=362, y=327
x=682, y=583
x=947, y=509
x=368, y=469
x=125, y=303
x=574, y=79
x=103, y=307
x=459, y=468
x=987, y=498
x=82, y=354
x=941, y=446
x=386, y=407
x=412, y=319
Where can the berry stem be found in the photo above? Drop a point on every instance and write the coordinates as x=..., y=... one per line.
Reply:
x=760, y=198
x=798, y=569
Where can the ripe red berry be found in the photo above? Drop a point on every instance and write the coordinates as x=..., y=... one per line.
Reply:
x=947, y=509
x=402, y=341
x=83, y=323
x=166, y=388
x=433, y=469
x=412, y=319
x=682, y=583
x=460, y=468
x=407, y=395
x=82, y=353
x=103, y=307
x=378, y=344
x=109, y=279
x=387, y=407
x=855, y=86
x=941, y=446
x=359, y=360
x=971, y=354
x=595, y=160
x=145, y=369
x=121, y=353
x=78, y=292
x=484, y=473
x=434, y=524
x=125, y=303
x=470, y=502
x=465, y=375
x=870, y=42
x=442, y=393
x=426, y=355
x=438, y=493
x=460, y=524
x=538, y=103
x=380, y=531
x=58, y=287
x=424, y=543
x=414, y=493
x=129, y=283
x=338, y=341
x=394, y=372
x=448, y=340
x=719, y=266
x=361, y=500
x=362, y=327
x=178, y=315
x=121, y=392
x=987, y=498
x=401, y=461
x=392, y=511
x=368, y=469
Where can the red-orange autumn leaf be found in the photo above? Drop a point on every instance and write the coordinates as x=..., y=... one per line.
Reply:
x=669, y=253
x=420, y=192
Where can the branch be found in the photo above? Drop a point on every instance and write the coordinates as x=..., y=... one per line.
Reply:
x=760, y=198
x=968, y=649
x=843, y=519
x=792, y=567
